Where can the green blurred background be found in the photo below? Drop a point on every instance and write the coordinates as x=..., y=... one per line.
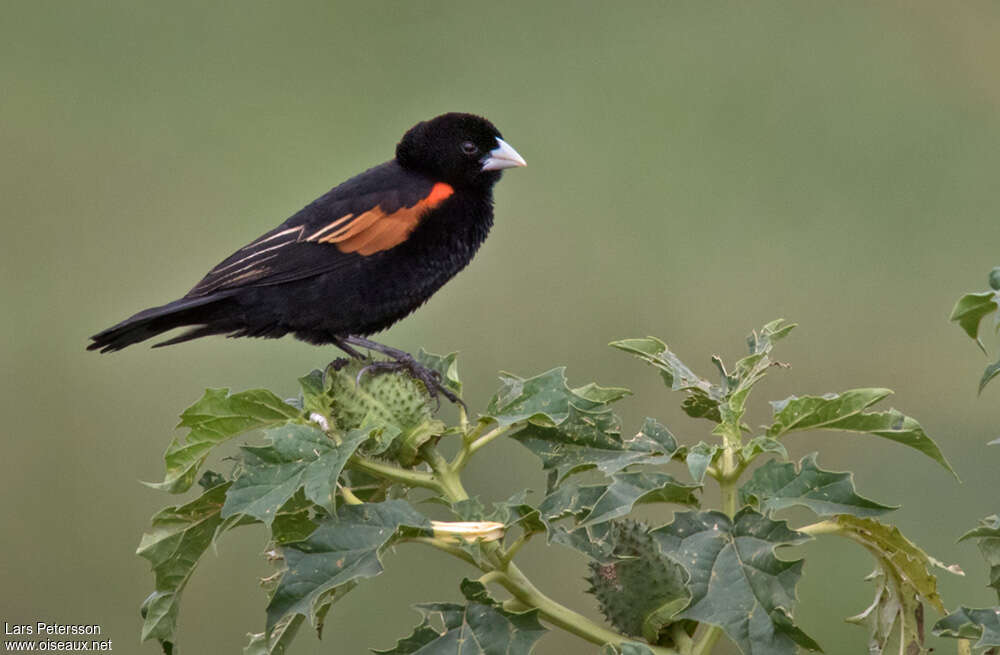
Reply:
x=695, y=170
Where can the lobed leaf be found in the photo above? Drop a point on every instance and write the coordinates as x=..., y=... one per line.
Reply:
x=585, y=440
x=892, y=602
x=703, y=397
x=700, y=457
x=778, y=485
x=446, y=366
x=988, y=540
x=970, y=310
x=966, y=623
x=281, y=637
x=298, y=457
x=546, y=398
x=845, y=411
x=760, y=445
x=177, y=540
x=480, y=627
x=989, y=373
x=343, y=550
x=898, y=555
x=215, y=418
x=750, y=370
x=629, y=489
x=737, y=582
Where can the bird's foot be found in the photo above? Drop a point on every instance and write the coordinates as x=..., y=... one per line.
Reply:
x=337, y=364
x=430, y=378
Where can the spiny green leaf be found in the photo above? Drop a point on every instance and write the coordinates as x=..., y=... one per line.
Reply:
x=750, y=370
x=815, y=412
x=991, y=372
x=845, y=411
x=589, y=439
x=703, y=397
x=314, y=399
x=699, y=458
x=629, y=489
x=987, y=536
x=580, y=442
x=900, y=556
x=177, y=540
x=546, y=399
x=654, y=437
x=882, y=614
x=343, y=549
x=762, y=444
x=281, y=637
x=967, y=623
x=737, y=583
x=970, y=310
x=446, y=366
x=481, y=627
x=299, y=456
x=295, y=520
x=216, y=417
x=573, y=500
x=777, y=485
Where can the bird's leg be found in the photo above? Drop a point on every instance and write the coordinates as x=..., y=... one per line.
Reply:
x=341, y=362
x=341, y=343
x=402, y=360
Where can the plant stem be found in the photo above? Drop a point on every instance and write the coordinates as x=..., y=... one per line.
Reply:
x=394, y=473
x=707, y=640
x=505, y=573
x=349, y=496
x=493, y=434
x=728, y=476
x=680, y=636
x=514, y=581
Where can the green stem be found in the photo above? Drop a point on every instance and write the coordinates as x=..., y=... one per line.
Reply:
x=349, y=496
x=516, y=546
x=505, y=573
x=445, y=475
x=493, y=434
x=394, y=473
x=521, y=588
x=728, y=476
x=681, y=638
x=707, y=640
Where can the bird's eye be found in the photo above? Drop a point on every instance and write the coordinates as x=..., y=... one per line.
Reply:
x=469, y=148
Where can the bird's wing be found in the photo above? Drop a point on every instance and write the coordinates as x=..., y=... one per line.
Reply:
x=371, y=213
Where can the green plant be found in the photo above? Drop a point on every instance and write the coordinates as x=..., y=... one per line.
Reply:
x=979, y=625
x=342, y=467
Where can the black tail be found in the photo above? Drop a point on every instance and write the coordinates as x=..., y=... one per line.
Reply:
x=203, y=312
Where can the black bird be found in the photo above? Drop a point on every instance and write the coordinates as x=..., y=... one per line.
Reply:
x=355, y=260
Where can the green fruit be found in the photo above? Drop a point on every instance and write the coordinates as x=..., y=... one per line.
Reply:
x=395, y=403
x=639, y=590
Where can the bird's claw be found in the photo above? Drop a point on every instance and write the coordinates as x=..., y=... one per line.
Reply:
x=430, y=378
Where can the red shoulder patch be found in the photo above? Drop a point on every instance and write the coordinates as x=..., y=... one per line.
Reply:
x=376, y=230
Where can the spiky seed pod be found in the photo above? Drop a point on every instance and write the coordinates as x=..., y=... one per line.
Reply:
x=639, y=589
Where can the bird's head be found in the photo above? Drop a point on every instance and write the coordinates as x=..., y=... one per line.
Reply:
x=460, y=149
